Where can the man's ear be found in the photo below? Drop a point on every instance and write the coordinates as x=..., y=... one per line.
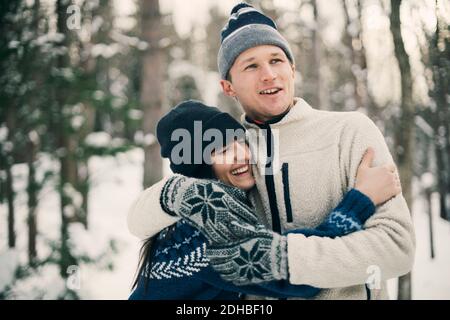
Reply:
x=293, y=70
x=227, y=88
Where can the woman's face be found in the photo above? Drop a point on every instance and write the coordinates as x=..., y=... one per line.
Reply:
x=231, y=165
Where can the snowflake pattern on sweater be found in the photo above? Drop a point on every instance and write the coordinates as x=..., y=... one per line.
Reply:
x=180, y=258
x=186, y=262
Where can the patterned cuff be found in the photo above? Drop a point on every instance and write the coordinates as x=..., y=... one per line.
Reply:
x=359, y=204
x=169, y=194
x=279, y=258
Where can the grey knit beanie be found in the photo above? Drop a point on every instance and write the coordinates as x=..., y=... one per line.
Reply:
x=247, y=28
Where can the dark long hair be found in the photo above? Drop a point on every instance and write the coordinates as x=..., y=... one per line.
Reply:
x=145, y=255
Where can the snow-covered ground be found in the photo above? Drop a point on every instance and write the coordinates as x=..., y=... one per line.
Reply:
x=117, y=182
x=431, y=277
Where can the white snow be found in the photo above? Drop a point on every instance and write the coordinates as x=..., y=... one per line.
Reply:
x=9, y=263
x=135, y=114
x=431, y=277
x=149, y=139
x=105, y=50
x=77, y=121
x=49, y=37
x=117, y=182
x=180, y=68
x=44, y=283
x=427, y=180
x=3, y=133
x=98, y=139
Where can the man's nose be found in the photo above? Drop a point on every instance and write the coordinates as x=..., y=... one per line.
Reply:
x=267, y=73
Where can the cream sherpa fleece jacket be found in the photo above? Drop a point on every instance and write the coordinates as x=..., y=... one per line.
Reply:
x=318, y=153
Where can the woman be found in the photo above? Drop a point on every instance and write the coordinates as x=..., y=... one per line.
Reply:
x=218, y=215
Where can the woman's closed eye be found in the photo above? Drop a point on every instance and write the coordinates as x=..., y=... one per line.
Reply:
x=221, y=151
x=251, y=66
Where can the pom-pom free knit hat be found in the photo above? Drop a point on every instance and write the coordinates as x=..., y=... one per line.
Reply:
x=247, y=28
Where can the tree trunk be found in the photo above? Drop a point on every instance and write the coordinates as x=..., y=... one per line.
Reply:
x=358, y=61
x=315, y=59
x=32, y=190
x=430, y=216
x=9, y=185
x=152, y=96
x=360, y=55
x=67, y=169
x=33, y=186
x=404, y=134
x=348, y=40
x=83, y=188
x=441, y=68
x=83, y=177
x=10, y=200
x=442, y=184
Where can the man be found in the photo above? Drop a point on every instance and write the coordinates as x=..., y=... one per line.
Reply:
x=310, y=161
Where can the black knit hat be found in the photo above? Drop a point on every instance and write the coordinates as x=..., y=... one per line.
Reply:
x=194, y=118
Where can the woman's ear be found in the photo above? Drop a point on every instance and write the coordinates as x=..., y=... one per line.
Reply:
x=227, y=88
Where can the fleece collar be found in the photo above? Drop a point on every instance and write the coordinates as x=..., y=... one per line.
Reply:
x=299, y=111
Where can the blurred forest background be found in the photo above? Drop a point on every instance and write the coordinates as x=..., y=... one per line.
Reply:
x=84, y=82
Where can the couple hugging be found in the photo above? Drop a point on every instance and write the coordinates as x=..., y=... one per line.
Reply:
x=312, y=210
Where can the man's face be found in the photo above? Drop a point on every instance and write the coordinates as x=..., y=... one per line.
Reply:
x=262, y=79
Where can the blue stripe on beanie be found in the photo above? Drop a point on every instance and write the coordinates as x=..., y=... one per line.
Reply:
x=244, y=14
x=239, y=6
x=247, y=28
